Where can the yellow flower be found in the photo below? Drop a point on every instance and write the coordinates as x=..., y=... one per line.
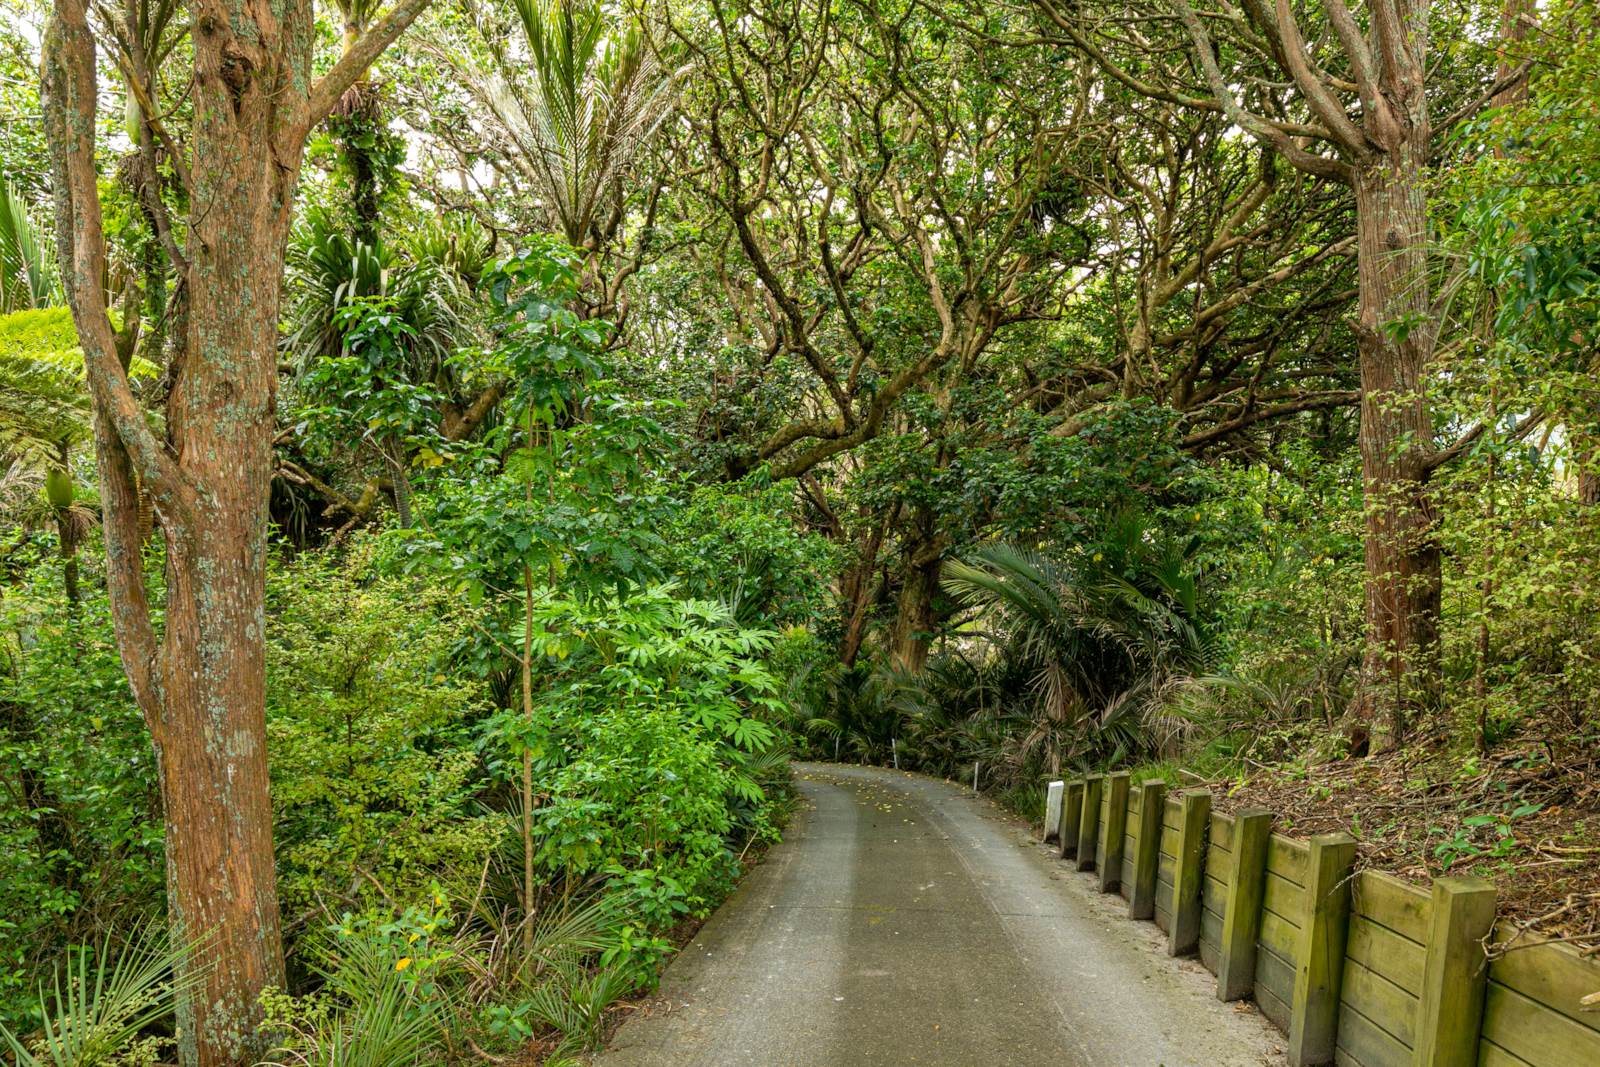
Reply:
x=402, y=963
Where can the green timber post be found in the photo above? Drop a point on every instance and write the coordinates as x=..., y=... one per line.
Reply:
x=1071, y=812
x=1314, y=1009
x=1147, y=849
x=1241, y=919
x=1116, y=826
x=1455, y=974
x=1188, y=873
x=1089, y=822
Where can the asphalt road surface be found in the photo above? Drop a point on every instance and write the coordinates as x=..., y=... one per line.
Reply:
x=904, y=921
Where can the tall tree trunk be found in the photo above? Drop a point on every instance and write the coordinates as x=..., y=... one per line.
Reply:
x=914, y=618
x=201, y=680
x=1399, y=673
x=856, y=589
x=1383, y=157
x=526, y=672
x=211, y=693
x=915, y=614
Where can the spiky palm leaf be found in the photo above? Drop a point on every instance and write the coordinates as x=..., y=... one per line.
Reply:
x=861, y=709
x=329, y=268
x=103, y=1000
x=382, y=1020
x=1101, y=636
x=576, y=97
x=28, y=271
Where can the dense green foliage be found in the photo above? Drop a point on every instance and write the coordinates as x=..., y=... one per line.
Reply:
x=664, y=392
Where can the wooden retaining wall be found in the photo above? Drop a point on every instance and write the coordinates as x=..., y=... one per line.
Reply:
x=1281, y=926
x=1530, y=1013
x=1164, y=864
x=1358, y=969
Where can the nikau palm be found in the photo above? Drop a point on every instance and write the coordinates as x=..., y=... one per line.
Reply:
x=1101, y=636
x=576, y=99
x=28, y=275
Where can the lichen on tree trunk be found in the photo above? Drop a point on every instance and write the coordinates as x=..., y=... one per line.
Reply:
x=201, y=681
x=915, y=609
x=1395, y=337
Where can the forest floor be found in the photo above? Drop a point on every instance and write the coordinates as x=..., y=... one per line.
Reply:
x=1526, y=817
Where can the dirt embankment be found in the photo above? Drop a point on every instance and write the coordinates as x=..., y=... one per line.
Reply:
x=1528, y=819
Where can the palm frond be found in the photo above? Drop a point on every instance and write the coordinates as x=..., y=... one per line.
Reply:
x=577, y=97
x=103, y=999
x=29, y=276
x=1100, y=636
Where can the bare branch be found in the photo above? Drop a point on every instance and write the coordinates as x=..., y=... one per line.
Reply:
x=1311, y=163
x=1461, y=444
x=354, y=63
x=1327, y=107
x=69, y=92
x=1250, y=417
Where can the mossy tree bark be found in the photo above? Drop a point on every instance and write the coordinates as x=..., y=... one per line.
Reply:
x=1370, y=129
x=916, y=612
x=201, y=681
x=1399, y=669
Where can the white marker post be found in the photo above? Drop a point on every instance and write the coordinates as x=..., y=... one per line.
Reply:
x=1052, y=811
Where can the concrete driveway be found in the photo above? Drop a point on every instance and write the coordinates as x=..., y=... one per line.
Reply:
x=904, y=921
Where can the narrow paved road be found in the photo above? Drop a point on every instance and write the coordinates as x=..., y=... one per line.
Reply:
x=905, y=922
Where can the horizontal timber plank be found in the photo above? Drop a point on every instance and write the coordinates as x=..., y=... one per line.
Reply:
x=1210, y=955
x=1279, y=936
x=1552, y=975
x=1538, y=1034
x=1285, y=899
x=1287, y=859
x=1382, y=1002
x=1368, y=1043
x=1398, y=959
x=1492, y=1055
x=1210, y=938
x=1388, y=901
x=1222, y=832
x=1214, y=894
x=1274, y=988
